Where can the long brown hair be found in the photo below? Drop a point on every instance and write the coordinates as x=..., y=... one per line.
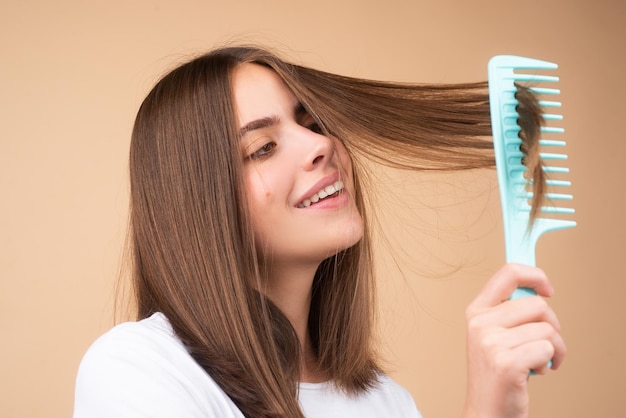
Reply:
x=191, y=238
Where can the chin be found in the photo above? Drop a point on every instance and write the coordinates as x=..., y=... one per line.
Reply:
x=351, y=236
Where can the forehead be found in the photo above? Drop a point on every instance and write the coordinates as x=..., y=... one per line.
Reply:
x=259, y=92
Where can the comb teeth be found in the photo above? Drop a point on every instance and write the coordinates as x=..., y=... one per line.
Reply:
x=521, y=235
x=548, y=103
x=508, y=68
x=539, y=90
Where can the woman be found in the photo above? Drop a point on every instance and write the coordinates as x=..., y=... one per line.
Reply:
x=252, y=260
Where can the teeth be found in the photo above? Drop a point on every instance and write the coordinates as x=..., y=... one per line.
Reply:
x=325, y=192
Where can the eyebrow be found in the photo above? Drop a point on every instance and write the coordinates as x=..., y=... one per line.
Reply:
x=265, y=122
x=299, y=111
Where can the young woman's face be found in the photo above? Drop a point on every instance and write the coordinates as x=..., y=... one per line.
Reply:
x=299, y=182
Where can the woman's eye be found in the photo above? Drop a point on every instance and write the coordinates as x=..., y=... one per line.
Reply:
x=265, y=151
x=315, y=127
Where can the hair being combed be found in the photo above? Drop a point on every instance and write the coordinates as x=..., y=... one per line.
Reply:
x=530, y=120
x=191, y=237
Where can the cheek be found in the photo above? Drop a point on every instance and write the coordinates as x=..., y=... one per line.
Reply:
x=346, y=163
x=257, y=194
x=263, y=191
x=257, y=188
x=343, y=155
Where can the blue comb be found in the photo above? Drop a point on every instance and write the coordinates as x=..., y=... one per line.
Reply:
x=520, y=235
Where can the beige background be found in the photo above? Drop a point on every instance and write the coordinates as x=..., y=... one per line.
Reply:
x=73, y=73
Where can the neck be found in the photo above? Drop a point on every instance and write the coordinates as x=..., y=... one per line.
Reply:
x=290, y=289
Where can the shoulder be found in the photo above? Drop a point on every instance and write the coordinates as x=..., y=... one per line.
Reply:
x=395, y=392
x=142, y=369
x=128, y=350
x=135, y=343
x=395, y=398
x=386, y=398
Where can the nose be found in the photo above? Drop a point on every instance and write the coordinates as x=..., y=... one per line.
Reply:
x=318, y=149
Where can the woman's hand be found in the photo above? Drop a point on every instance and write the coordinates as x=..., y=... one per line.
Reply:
x=506, y=340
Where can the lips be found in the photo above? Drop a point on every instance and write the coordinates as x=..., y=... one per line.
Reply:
x=325, y=192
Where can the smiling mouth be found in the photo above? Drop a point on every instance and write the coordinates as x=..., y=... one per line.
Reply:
x=327, y=192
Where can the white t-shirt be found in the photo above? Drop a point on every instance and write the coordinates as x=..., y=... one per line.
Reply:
x=141, y=369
